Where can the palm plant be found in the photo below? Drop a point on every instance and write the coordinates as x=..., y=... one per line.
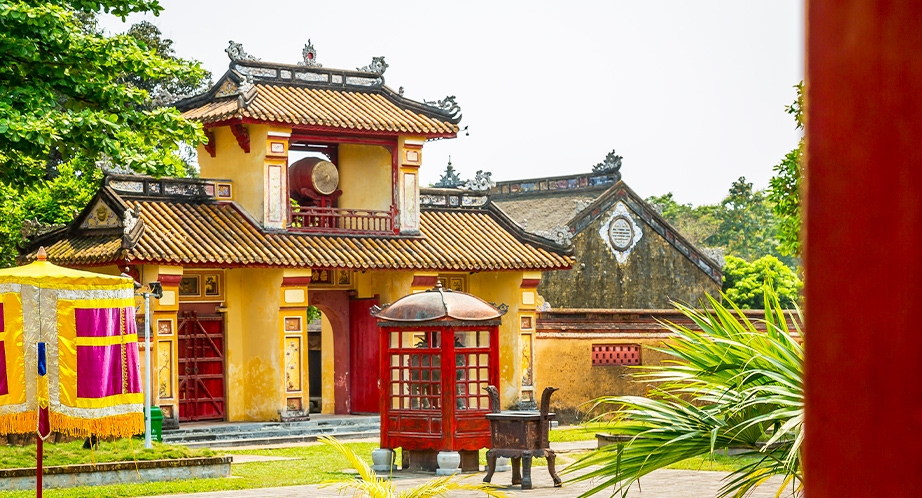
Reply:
x=727, y=385
x=370, y=485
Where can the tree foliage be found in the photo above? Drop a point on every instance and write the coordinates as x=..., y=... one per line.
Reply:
x=747, y=225
x=70, y=96
x=743, y=224
x=66, y=92
x=785, y=187
x=729, y=386
x=744, y=283
x=697, y=224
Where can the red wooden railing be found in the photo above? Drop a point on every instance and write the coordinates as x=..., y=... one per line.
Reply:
x=339, y=220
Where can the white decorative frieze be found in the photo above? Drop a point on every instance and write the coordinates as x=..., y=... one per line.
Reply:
x=620, y=232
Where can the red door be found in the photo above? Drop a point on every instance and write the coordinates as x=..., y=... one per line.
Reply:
x=201, y=367
x=364, y=357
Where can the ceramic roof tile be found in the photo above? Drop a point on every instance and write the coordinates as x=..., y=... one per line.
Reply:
x=192, y=234
x=299, y=105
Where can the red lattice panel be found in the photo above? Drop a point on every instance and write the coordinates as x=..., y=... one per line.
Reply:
x=615, y=354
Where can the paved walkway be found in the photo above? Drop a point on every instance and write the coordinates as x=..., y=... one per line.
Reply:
x=659, y=484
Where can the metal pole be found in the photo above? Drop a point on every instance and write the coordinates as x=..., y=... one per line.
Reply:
x=147, y=393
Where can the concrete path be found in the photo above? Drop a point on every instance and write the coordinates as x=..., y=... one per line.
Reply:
x=659, y=484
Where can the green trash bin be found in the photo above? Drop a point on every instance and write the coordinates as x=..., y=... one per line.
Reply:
x=156, y=423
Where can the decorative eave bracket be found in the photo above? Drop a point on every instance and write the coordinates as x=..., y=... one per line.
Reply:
x=210, y=145
x=242, y=135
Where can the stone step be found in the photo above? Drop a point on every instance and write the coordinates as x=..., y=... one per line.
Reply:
x=213, y=436
x=271, y=441
x=267, y=433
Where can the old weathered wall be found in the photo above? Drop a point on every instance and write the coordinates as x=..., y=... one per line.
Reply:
x=653, y=274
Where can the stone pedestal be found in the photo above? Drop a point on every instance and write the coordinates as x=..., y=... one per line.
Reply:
x=449, y=463
x=383, y=459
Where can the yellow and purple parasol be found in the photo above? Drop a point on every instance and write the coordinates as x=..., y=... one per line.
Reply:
x=68, y=353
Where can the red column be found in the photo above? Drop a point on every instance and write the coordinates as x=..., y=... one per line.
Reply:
x=863, y=248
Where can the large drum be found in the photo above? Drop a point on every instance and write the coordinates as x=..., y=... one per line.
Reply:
x=312, y=177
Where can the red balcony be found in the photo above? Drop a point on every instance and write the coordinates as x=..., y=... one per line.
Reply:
x=340, y=220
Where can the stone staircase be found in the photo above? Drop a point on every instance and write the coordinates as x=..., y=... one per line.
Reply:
x=229, y=434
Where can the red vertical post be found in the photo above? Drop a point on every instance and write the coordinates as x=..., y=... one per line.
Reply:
x=863, y=258
x=449, y=389
x=38, y=465
x=386, y=394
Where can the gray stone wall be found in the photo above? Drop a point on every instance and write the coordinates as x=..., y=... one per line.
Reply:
x=654, y=274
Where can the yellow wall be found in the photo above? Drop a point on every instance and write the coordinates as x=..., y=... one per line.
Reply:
x=566, y=363
x=389, y=285
x=503, y=288
x=254, y=374
x=365, y=177
x=246, y=170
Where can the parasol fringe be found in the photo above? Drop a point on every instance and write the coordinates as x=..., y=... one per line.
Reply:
x=124, y=425
x=18, y=423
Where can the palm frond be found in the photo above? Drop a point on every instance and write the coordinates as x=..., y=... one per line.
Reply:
x=727, y=384
x=371, y=486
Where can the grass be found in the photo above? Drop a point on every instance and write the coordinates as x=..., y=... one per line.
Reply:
x=310, y=464
x=72, y=453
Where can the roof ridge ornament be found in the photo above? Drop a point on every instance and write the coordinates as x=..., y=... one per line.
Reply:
x=377, y=66
x=130, y=220
x=446, y=104
x=481, y=182
x=450, y=179
x=560, y=234
x=309, y=55
x=611, y=164
x=236, y=52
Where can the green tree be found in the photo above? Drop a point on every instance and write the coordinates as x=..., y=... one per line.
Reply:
x=785, y=186
x=71, y=96
x=747, y=224
x=729, y=386
x=65, y=93
x=697, y=224
x=744, y=283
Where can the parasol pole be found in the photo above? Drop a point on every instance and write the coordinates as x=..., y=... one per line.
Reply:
x=38, y=466
x=147, y=393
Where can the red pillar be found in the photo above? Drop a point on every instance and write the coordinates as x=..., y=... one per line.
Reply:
x=863, y=248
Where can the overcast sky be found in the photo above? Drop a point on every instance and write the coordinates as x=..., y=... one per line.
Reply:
x=691, y=94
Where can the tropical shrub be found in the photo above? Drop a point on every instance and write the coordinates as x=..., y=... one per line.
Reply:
x=728, y=385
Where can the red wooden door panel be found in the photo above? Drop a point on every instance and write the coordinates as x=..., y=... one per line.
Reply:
x=201, y=367
x=365, y=356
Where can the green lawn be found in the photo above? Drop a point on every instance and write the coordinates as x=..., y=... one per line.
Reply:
x=72, y=453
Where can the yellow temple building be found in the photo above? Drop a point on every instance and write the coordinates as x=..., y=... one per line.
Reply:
x=244, y=250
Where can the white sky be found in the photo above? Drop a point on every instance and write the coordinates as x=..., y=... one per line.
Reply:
x=692, y=94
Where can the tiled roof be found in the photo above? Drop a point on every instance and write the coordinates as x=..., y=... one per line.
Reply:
x=545, y=211
x=318, y=98
x=204, y=234
x=340, y=109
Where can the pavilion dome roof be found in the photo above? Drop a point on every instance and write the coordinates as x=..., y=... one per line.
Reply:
x=436, y=304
